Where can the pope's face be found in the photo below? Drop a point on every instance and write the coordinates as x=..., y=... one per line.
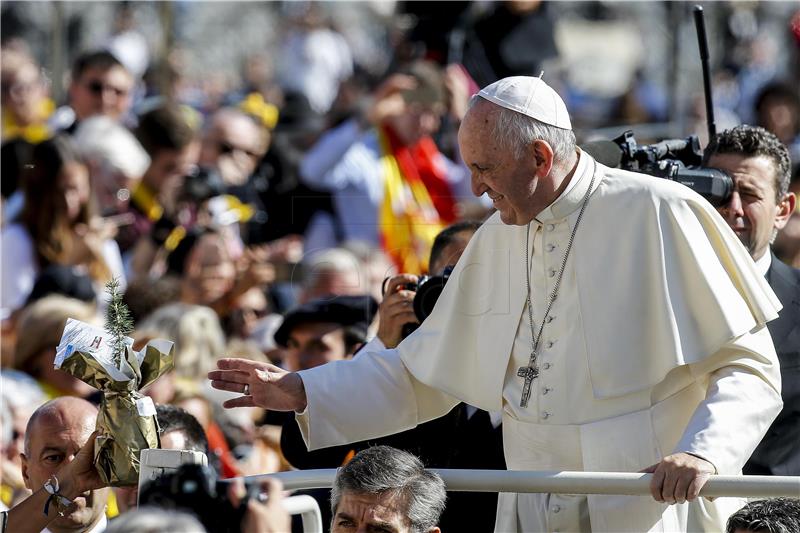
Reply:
x=753, y=211
x=511, y=183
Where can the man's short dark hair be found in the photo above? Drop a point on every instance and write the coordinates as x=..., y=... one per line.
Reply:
x=171, y=418
x=164, y=128
x=777, y=515
x=383, y=469
x=754, y=141
x=447, y=236
x=101, y=60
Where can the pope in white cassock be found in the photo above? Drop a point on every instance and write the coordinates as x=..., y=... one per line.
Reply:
x=614, y=319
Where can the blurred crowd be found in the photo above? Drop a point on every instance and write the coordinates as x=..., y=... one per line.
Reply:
x=285, y=216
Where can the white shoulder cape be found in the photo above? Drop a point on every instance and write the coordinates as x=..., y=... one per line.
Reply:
x=662, y=282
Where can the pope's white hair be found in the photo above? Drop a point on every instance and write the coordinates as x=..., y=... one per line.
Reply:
x=515, y=132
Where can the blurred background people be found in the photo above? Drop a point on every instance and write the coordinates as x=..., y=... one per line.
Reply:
x=26, y=106
x=39, y=333
x=99, y=85
x=58, y=225
x=116, y=163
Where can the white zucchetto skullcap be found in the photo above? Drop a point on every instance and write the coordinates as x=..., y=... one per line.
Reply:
x=529, y=96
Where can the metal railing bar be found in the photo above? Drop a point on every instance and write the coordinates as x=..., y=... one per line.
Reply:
x=308, y=509
x=565, y=482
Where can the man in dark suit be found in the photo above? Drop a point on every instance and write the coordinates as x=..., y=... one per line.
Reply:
x=759, y=207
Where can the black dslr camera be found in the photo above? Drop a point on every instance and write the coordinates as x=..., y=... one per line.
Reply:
x=195, y=488
x=427, y=289
x=677, y=160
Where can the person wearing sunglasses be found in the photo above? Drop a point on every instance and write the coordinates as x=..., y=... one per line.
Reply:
x=100, y=85
x=233, y=144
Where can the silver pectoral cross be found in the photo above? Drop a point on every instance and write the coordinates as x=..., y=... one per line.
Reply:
x=529, y=373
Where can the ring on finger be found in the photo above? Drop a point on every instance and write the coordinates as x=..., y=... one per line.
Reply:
x=246, y=390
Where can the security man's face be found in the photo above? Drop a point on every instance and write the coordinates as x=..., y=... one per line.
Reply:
x=370, y=513
x=753, y=212
x=313, y=344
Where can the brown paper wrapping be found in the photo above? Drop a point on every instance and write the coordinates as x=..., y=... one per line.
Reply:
x=126, y=421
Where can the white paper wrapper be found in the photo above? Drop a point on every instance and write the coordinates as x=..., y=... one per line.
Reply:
x=126, y=419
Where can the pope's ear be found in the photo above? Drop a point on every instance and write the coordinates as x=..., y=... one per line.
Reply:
x=786, y=207
x=543, y=155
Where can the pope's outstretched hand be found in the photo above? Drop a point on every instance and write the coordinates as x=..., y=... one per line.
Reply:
x=261, y=385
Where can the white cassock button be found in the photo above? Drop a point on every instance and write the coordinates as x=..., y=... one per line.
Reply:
x=551, y=273
x=545, y=415
x=550, y=344
x=556, y=508
x=549, y=318
x=546, y=366
x=551, y=247
x=551, y=227
x=546, y=390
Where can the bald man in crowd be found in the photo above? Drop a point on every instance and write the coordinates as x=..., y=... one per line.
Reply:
x=55, y=433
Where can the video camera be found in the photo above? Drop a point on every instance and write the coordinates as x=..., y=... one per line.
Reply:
x=195, y=488
x=677, y=160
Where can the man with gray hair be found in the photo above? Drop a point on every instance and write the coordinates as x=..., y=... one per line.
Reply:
x=386, y=489
x=116, y=160
x=612, y=317
x=332, y=272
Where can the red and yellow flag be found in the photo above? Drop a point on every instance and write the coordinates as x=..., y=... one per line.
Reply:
x=417, y=202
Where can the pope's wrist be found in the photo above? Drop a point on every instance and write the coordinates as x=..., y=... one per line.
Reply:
x=303, y=397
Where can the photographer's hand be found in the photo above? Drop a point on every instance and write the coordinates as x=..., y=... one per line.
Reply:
x=268, y=386
x=396, y=309
x=262, y=516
